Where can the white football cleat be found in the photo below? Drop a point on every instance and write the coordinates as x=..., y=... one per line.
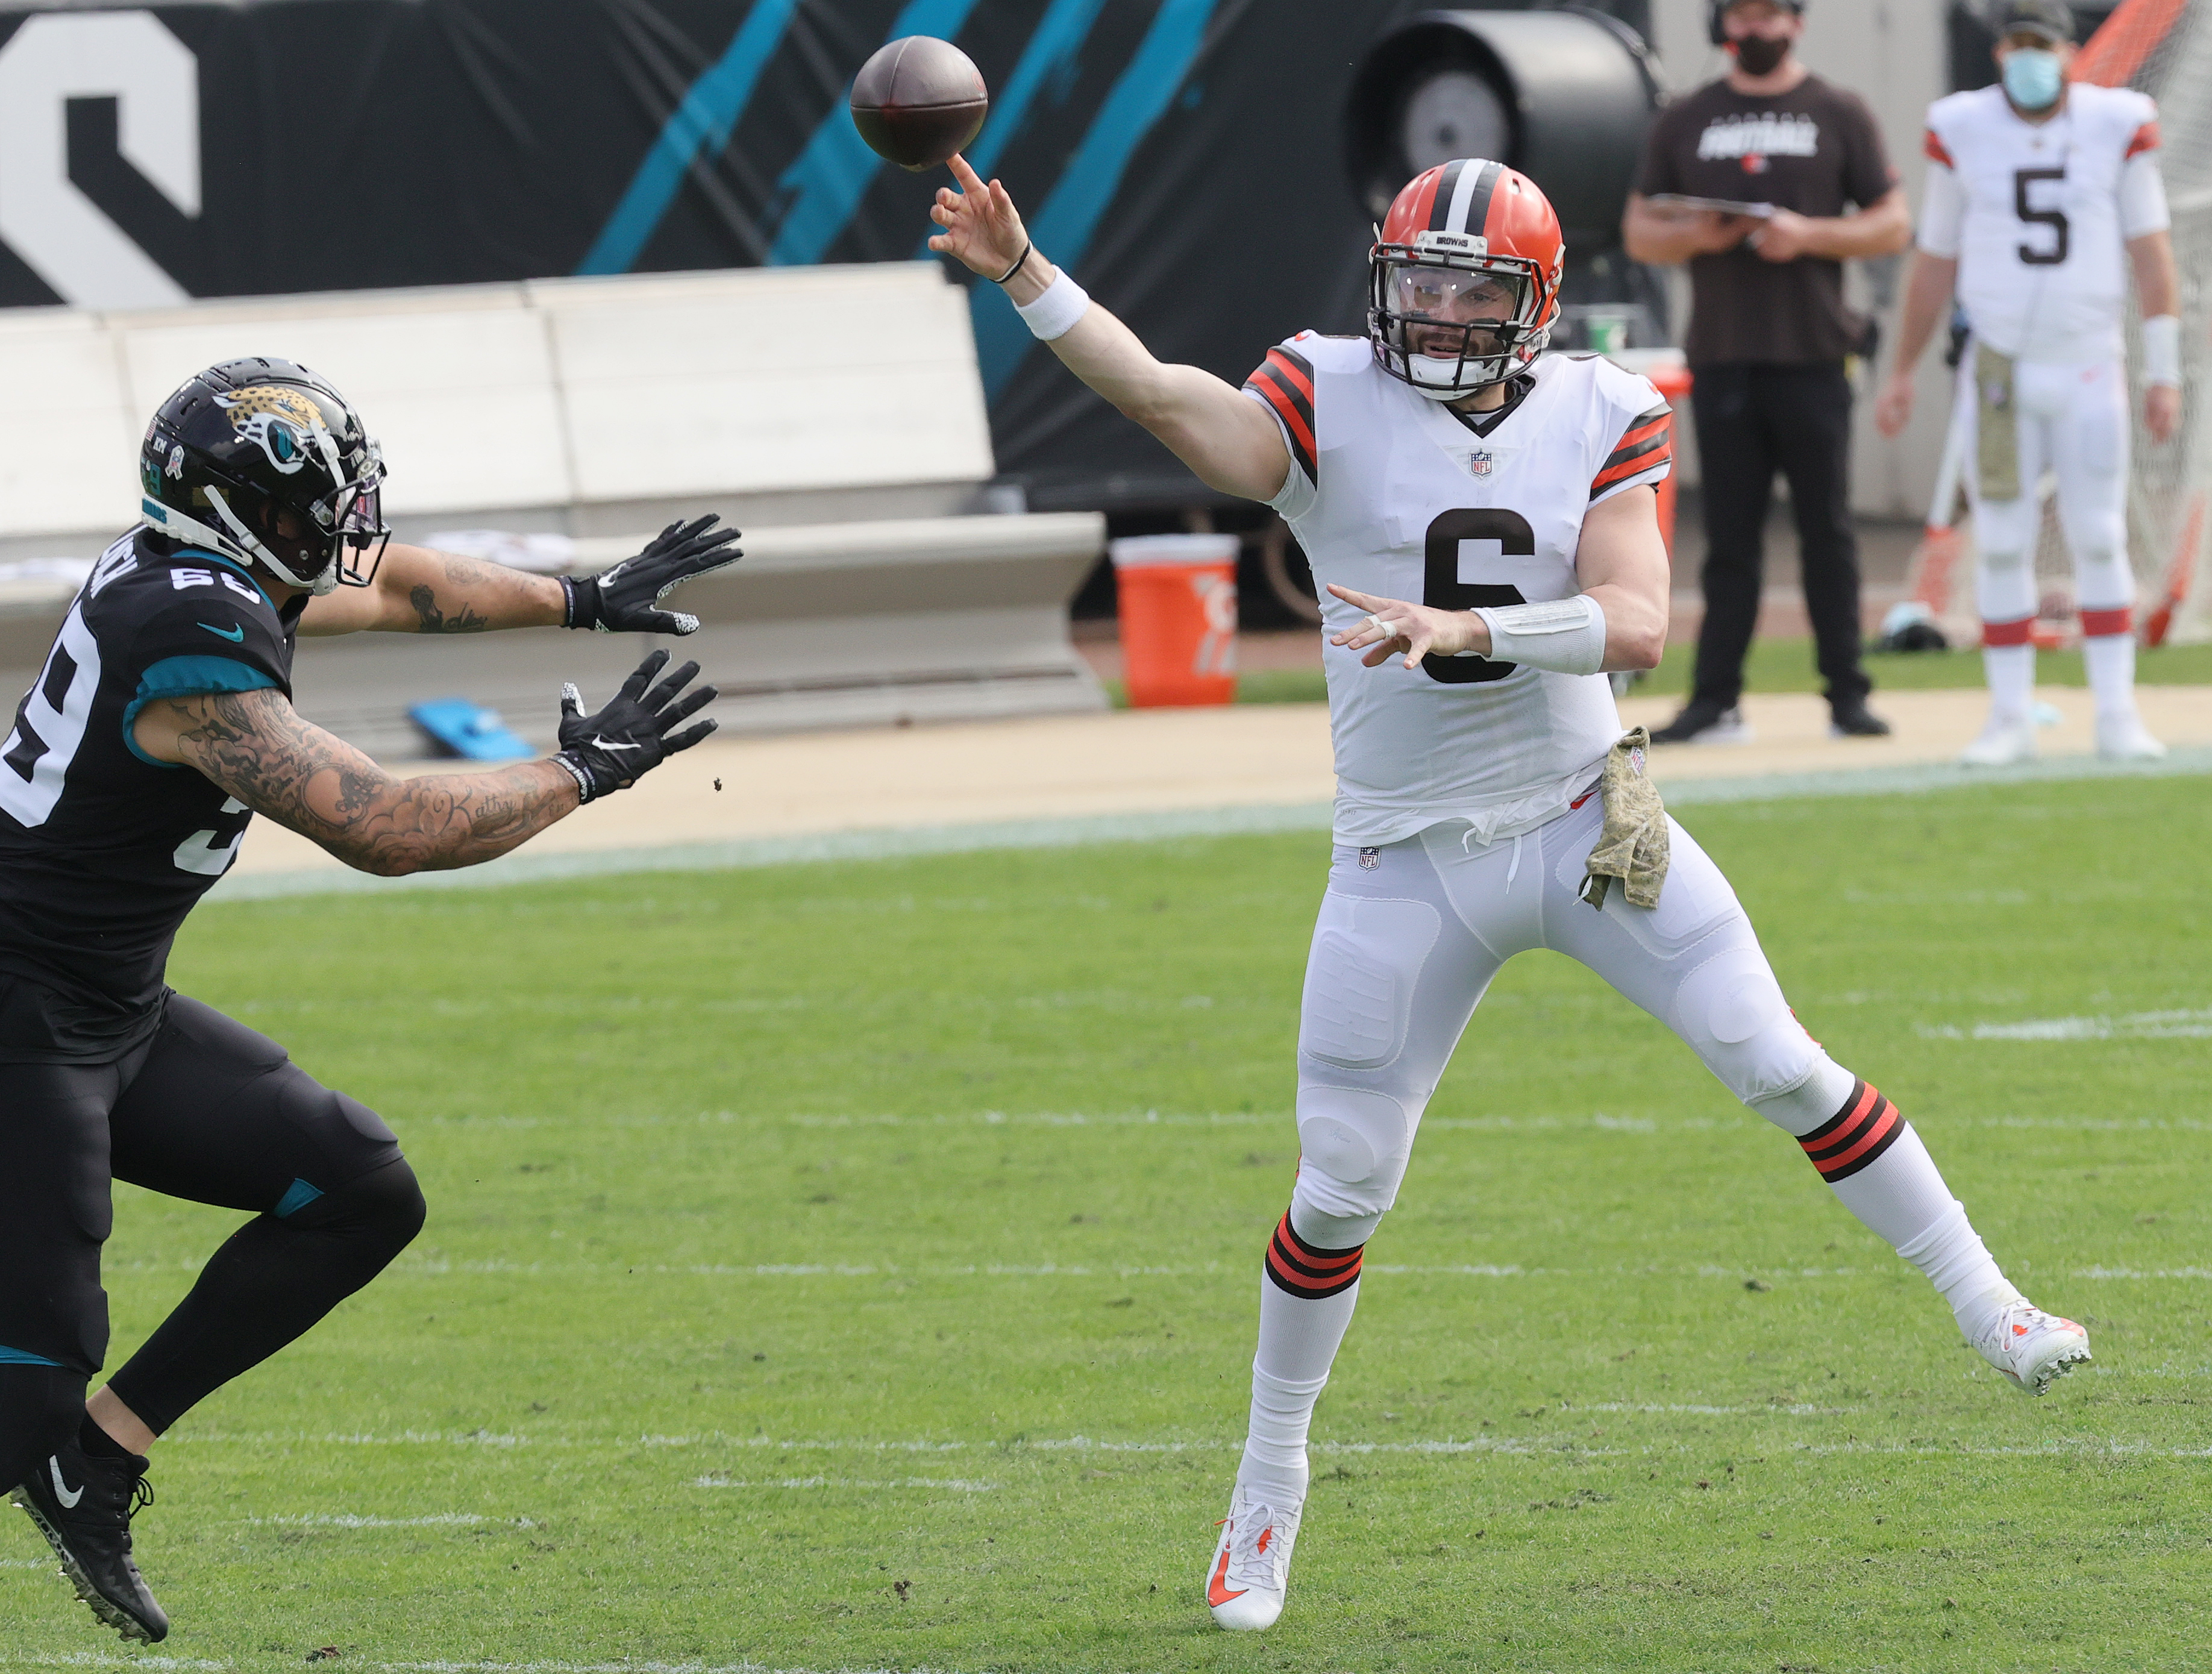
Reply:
x=2033, y=1347
x=2003, y=742
x=1250, y=1569
x=2123, y=738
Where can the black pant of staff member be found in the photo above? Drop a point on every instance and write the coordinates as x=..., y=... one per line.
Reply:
x=1748, y=179
x=161, y=723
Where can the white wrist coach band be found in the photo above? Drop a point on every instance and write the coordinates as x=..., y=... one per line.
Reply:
x=1566, y=635
x=2161, y=342
x=1055, y=313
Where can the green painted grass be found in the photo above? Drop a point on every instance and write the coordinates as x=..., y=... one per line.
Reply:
x=855, y=1267
x=1786, y=665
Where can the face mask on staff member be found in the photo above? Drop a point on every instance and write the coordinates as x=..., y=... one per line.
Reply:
x=1760, y=34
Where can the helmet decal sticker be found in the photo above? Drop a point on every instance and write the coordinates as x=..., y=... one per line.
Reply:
x=280, y=420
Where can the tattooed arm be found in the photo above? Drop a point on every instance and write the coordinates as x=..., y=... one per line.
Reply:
x=255, y=746
x=419, y=591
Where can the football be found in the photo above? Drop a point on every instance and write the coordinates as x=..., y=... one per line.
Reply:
x=919, y=100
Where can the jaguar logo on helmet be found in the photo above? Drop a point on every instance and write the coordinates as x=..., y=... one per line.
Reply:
x=1464, y=278
x=283, y=423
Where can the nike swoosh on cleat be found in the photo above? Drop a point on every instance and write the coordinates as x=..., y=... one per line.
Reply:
x=234, y=635
x=62, y=1490
x=1217, y=1591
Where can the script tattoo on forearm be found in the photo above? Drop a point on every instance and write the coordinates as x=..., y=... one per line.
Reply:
x=256, y=747
x=434, y=620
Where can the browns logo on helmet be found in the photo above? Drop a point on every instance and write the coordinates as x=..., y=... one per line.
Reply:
x=1463, y=282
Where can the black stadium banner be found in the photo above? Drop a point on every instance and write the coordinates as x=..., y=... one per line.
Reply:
x=1185, y=159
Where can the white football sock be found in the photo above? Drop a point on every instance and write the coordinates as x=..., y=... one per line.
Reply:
x=1959, y=1264
x=1899, y=1196
x=1298, y=1339
x=2011, y=670
x=2111, y=662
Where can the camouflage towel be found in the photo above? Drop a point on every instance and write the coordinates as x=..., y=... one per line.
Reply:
x=1632, y=846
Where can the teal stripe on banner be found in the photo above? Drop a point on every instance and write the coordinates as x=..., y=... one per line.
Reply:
x=1064, y=227
x=1050, y=54
x=703, y=122
x=826, y=185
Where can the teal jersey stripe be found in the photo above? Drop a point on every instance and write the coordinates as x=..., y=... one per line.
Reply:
x=187, y=677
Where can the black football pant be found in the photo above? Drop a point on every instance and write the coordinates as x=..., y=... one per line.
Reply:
x=1753, y=421
x=207, y=1110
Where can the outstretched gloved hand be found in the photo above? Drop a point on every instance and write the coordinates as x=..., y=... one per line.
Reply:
x=607, y=751
x=622, y=599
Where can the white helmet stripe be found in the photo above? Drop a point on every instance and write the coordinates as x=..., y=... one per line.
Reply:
x=1470, y=172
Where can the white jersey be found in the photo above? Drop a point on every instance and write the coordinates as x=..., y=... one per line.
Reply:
x=2038, y=215
x=1389, y=493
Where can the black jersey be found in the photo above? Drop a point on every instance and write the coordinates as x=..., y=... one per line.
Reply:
x=103, y=849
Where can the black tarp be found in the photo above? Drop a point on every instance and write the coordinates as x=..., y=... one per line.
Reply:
x=1183, y=156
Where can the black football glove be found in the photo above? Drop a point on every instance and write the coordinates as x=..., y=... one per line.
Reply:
x=606, y=752
x=621, y=600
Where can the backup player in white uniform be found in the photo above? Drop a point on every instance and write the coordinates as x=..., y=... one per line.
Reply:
x=1484, y=523
x=2039, y=197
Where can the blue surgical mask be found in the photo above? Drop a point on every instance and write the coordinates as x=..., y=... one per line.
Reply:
x=2032, y=77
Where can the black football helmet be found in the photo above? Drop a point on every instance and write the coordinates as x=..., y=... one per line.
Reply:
x=263, y=462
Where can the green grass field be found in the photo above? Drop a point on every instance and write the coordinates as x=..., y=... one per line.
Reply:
x=855, y=1267
x=1786, y=665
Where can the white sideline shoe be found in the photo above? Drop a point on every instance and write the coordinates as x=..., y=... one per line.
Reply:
x=2003, y=742
x=2122, y=738
x=1250, y=1569
x=2033, y=1347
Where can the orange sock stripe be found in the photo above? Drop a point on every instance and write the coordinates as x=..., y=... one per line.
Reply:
x=1867, y=1125
x=2099, y=624
x=1302, y=1270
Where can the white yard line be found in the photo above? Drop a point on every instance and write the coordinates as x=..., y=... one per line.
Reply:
x=2193, y=1025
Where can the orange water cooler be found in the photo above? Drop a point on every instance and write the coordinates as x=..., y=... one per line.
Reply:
x=1178, y=607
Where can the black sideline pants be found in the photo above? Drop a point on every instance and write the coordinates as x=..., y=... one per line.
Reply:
x=1752, y=421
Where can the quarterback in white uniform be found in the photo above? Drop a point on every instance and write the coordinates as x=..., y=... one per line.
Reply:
x=2040, y=197
x=1484, y=523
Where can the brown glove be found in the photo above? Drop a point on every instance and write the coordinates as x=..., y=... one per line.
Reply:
x=1632, y=846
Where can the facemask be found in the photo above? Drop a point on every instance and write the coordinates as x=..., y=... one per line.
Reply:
x=2033, y=78
x=1758, y=56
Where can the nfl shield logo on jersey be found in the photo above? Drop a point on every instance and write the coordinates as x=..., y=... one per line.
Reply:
x=1479, y=462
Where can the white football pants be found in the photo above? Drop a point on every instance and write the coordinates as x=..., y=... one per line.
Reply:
x=2072, y=421
x=1408, y=939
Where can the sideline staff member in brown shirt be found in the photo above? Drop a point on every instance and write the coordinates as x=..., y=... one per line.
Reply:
x=1769, y=334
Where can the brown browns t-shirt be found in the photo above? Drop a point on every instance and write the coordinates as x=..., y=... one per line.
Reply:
x=1813, y=149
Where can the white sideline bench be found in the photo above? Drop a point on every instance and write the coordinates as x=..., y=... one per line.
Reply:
x=834, y=413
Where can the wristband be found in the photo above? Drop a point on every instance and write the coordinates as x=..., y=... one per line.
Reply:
x=1564, y=635
x=1055, y=313
x=2162, y=346
x=576, y=771
x=569, y=599
x=1027, y=245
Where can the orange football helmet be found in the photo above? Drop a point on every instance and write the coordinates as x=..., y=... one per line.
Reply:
x=1463, y=282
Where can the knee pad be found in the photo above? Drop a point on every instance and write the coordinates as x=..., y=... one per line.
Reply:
x=2004, y=586
x=1354, y=1144
x=2102, y=578
x=1731, y=1010
x=381, y=1211
x=1798, y=1109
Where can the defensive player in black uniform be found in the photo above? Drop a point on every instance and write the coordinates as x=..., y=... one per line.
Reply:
x=161, y=722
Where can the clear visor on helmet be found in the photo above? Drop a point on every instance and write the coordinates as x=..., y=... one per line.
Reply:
x=1443, y=310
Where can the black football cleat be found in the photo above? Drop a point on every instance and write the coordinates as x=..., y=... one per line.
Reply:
x=1853, y=719
x=83, y=1505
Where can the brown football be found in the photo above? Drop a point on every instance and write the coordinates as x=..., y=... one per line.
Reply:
x=918, y=100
